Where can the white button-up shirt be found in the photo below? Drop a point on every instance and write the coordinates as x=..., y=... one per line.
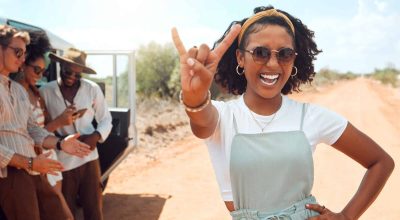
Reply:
x=89, y=96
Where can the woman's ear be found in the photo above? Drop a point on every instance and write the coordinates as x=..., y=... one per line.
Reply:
x=240, y=57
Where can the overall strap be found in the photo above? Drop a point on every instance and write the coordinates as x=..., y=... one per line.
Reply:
x=303, y=112
x=235, y=127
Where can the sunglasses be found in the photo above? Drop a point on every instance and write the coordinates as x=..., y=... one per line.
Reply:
x=19, y=52
x=37, y=69
x=67, y=72
x=261, y=55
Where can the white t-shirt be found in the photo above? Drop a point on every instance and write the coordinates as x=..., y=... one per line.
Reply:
x=320, y=126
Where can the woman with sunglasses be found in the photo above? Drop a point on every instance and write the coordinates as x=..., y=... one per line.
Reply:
x=35, y=65
x=261, y=143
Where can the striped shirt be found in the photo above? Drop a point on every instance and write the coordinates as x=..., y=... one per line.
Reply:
x=19, y=132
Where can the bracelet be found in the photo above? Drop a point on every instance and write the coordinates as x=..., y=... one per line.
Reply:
x=198, y=108
x=30, y=163
x=58, y=145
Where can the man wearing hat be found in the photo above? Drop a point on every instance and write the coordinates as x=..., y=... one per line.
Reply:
x=81, y=176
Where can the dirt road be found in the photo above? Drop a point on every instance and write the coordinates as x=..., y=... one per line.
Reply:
x=178, y=182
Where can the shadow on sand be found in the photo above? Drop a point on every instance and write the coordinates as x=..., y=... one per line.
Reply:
x=136, y=206
x=131, y=207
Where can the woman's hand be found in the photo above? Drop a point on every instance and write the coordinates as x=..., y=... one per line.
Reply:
x=198, y=66
x=44, y=165
x=325, y=213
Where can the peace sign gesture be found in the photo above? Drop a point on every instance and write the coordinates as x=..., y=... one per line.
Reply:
x=198, y=66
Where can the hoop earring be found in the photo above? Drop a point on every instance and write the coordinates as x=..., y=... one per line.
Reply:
x=237, y=70
x=295, y=72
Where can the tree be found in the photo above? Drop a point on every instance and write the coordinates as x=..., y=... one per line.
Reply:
x=155, y=65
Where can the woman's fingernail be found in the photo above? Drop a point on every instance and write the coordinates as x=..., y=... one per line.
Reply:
x=307, y=205
x=190, y=61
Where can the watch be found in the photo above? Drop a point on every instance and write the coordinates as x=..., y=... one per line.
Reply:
x=58, y=145
x=30, y=163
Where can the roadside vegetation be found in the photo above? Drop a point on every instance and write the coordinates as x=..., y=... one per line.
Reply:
x=157, y=75
x=388, y=76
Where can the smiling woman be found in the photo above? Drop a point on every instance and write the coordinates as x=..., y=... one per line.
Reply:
x=261, y=144
x=13, y=44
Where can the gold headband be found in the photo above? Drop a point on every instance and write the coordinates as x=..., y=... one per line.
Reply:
x=262, y=14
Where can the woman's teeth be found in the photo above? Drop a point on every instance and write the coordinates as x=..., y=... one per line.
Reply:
x=268, y=79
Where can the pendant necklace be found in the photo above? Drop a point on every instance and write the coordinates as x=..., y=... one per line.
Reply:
x=267, y=123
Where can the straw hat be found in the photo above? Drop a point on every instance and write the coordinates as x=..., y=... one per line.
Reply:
x=73, y=57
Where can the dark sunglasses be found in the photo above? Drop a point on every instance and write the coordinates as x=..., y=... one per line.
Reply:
x=37, y=69
x=18, y=52
x=261, y=55
x=67, y=72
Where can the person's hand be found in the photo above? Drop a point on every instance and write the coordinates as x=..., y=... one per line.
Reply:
x=73, y=146
x=44, y=165
x=66, y=118
x=90, y=139
x=198, y=66
x=325, y=213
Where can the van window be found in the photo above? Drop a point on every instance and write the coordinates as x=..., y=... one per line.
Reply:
x=22, y=26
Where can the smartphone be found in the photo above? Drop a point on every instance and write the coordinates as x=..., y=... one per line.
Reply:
x=79, y=113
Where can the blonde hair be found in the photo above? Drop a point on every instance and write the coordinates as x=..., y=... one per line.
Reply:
x=7, y=33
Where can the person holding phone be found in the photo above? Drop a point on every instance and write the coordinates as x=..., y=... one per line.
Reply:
x=24, y=192
x=81, y=176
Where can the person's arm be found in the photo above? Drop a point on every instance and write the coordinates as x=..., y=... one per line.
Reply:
x=103, y=119
x=370, y=155
x=69, y=144
x=41, y=163
x=197, y=67
x=5, y=156
x=102, y=115
x=203, y=123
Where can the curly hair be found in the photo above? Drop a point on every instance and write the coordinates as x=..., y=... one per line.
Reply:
x=304, y=44
x=38, y=47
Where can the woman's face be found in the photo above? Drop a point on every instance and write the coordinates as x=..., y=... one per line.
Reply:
x=267, y=80
x=14, y=55
x=33, y=71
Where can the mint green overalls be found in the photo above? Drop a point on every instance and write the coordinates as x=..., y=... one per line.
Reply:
x=271, y=175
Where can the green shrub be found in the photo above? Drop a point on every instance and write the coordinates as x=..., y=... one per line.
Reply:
x=155, y=65
x=388, y=76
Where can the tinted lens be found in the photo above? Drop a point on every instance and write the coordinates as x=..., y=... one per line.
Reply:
x=72, y=73
x=18, y=52
x=38, y=70
x=286, y=54
x=261, y=55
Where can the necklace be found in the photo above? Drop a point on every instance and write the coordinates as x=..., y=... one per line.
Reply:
x=267, y=123
x=259, y=124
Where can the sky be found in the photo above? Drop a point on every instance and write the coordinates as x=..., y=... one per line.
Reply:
x=355, y=35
